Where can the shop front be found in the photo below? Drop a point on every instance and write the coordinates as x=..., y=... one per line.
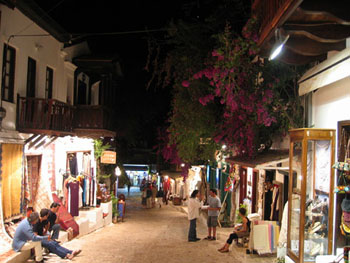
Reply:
x=136, y=173
x=64, y=168
x=310, y=220
x=327, y=87
x=260, y=184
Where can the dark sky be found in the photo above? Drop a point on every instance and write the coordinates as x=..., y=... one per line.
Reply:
x=147, y=108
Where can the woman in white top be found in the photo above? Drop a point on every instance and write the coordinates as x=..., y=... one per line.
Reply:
x=194, y=204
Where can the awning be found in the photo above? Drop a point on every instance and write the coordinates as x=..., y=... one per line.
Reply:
x=329, y=71
x=269, y=158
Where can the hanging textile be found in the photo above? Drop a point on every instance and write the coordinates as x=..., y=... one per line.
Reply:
x=12, y=156
x=73, y=198
x=86, y=164
x=73, y=164
x=43, y=197
x=26, y=187
x=275, y=204
x=5, y=240
x=31, y=177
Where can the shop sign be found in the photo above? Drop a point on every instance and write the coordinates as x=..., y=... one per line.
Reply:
x=109, y=157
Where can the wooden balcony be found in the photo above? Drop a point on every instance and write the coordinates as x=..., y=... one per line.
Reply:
x=93, y=121
x=45, y=116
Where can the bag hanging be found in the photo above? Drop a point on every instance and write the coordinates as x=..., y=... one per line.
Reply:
x=343, y=169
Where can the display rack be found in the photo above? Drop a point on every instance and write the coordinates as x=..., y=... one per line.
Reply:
x=310, y=220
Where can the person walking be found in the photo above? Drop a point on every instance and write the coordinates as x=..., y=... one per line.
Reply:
x=144, y=197
x=128, y=184
x=154, y=194
x=213, y=213
x=239, y=231
x=194, y=205
x=160, y=195
x=25, y=239
x=149, y=196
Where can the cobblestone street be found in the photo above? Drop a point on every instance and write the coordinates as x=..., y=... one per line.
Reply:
x=154, y=235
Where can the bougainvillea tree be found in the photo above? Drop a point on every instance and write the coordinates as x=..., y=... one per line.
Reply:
x=223, y=93
x=248, y=88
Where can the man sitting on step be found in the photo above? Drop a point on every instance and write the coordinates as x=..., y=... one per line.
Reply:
x=40, y=228
x=25, y=239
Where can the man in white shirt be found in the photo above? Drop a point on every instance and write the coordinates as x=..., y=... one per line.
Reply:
x=194, y=204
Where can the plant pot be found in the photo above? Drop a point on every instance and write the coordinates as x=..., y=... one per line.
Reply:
x=114, y=220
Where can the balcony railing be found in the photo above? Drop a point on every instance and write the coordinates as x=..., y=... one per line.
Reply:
x=93, y=117
x=270, y=13
x=43, y=114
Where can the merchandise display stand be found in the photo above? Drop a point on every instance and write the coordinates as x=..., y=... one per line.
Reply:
x=310, y=217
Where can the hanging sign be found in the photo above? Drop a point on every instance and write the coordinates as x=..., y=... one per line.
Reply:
x=109, y=157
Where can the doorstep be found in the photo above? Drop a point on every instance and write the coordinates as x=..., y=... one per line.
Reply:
x=16, y=257
x=88, y=222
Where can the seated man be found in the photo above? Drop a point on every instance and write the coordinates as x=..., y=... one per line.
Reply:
x=51, y=245
x=25, y=239
x=41, y=227
x=53, y=221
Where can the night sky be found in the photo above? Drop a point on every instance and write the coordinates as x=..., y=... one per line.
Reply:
x=143, y=110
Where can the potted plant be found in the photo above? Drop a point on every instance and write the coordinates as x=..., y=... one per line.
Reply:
x=115, y=212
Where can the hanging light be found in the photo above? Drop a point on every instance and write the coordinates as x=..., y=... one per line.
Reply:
x=279, y=44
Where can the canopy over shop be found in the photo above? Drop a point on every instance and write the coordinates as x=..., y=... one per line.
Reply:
x=261, y=183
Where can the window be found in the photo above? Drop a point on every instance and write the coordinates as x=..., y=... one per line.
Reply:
x=31, y=78
x=49, y=83
x=8, y=73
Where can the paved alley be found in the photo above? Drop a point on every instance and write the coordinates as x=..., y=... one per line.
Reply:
x=153, y=235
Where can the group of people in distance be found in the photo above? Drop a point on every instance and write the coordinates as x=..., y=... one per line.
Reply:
x=195, y=203
x=41, y=230
x=150, y=195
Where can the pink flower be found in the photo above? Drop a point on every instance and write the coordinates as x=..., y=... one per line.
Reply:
x=215, y=53
x=186, y=83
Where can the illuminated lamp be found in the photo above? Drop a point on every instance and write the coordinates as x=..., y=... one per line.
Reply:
x=279, y=44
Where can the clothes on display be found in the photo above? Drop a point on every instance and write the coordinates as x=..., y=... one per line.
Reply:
x=282, y=241
x=79, y=166
x=268, y=202
x=73, y=164
x=71, y=189
x=275, y=205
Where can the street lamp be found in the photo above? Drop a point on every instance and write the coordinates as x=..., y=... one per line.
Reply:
x=279, y=44
x=117, y=173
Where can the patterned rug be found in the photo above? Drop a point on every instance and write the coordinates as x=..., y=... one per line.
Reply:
x=5, y=240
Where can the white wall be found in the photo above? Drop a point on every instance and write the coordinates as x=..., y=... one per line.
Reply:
x=331, y=104
x=46, y=50
x=70, y=144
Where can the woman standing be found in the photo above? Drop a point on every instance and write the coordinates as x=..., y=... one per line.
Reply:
x=239, y=231
x=194, y=204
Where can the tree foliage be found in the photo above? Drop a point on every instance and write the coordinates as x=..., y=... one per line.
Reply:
x=223, y=93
